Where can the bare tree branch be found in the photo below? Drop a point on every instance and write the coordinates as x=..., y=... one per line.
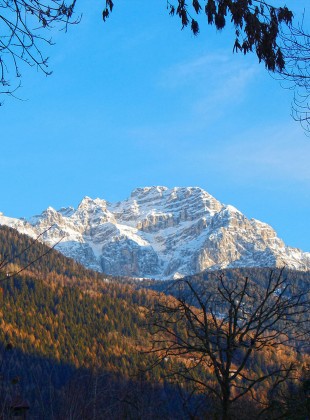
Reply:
x=10, y=259
x=23, y=26
x=295, y=46
x=219, y=333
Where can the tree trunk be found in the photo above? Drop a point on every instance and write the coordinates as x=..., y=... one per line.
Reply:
x=225, y=402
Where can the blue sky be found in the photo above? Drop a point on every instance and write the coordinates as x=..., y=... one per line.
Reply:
x=135, y=102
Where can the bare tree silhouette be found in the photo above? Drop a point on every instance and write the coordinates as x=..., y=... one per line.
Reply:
x=221, y=335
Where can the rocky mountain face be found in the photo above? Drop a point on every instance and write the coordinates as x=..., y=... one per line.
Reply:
x=160, y=233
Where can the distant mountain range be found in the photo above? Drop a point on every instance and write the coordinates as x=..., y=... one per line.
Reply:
x=160, y=233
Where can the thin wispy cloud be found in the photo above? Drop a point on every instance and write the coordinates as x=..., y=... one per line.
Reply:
x=275, y=152
x=196, y=69
x=216, y=81
x=229, y=89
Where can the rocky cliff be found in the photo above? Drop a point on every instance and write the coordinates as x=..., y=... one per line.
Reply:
x=161, y=233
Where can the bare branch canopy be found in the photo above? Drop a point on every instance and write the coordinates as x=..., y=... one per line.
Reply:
x=221, y=333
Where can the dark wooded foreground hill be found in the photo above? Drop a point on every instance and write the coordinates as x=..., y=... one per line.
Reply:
x=73, y=343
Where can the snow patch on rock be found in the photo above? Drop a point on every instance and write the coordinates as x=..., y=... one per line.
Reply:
x=160, y=233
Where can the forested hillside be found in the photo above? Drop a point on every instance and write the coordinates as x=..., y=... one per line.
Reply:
x=70, y=333
x=76, y=344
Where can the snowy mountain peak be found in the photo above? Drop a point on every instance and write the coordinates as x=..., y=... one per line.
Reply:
x=66, y=211
x=145, y=191
x=89, y=203
x=232, y=209
x=161, y=232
